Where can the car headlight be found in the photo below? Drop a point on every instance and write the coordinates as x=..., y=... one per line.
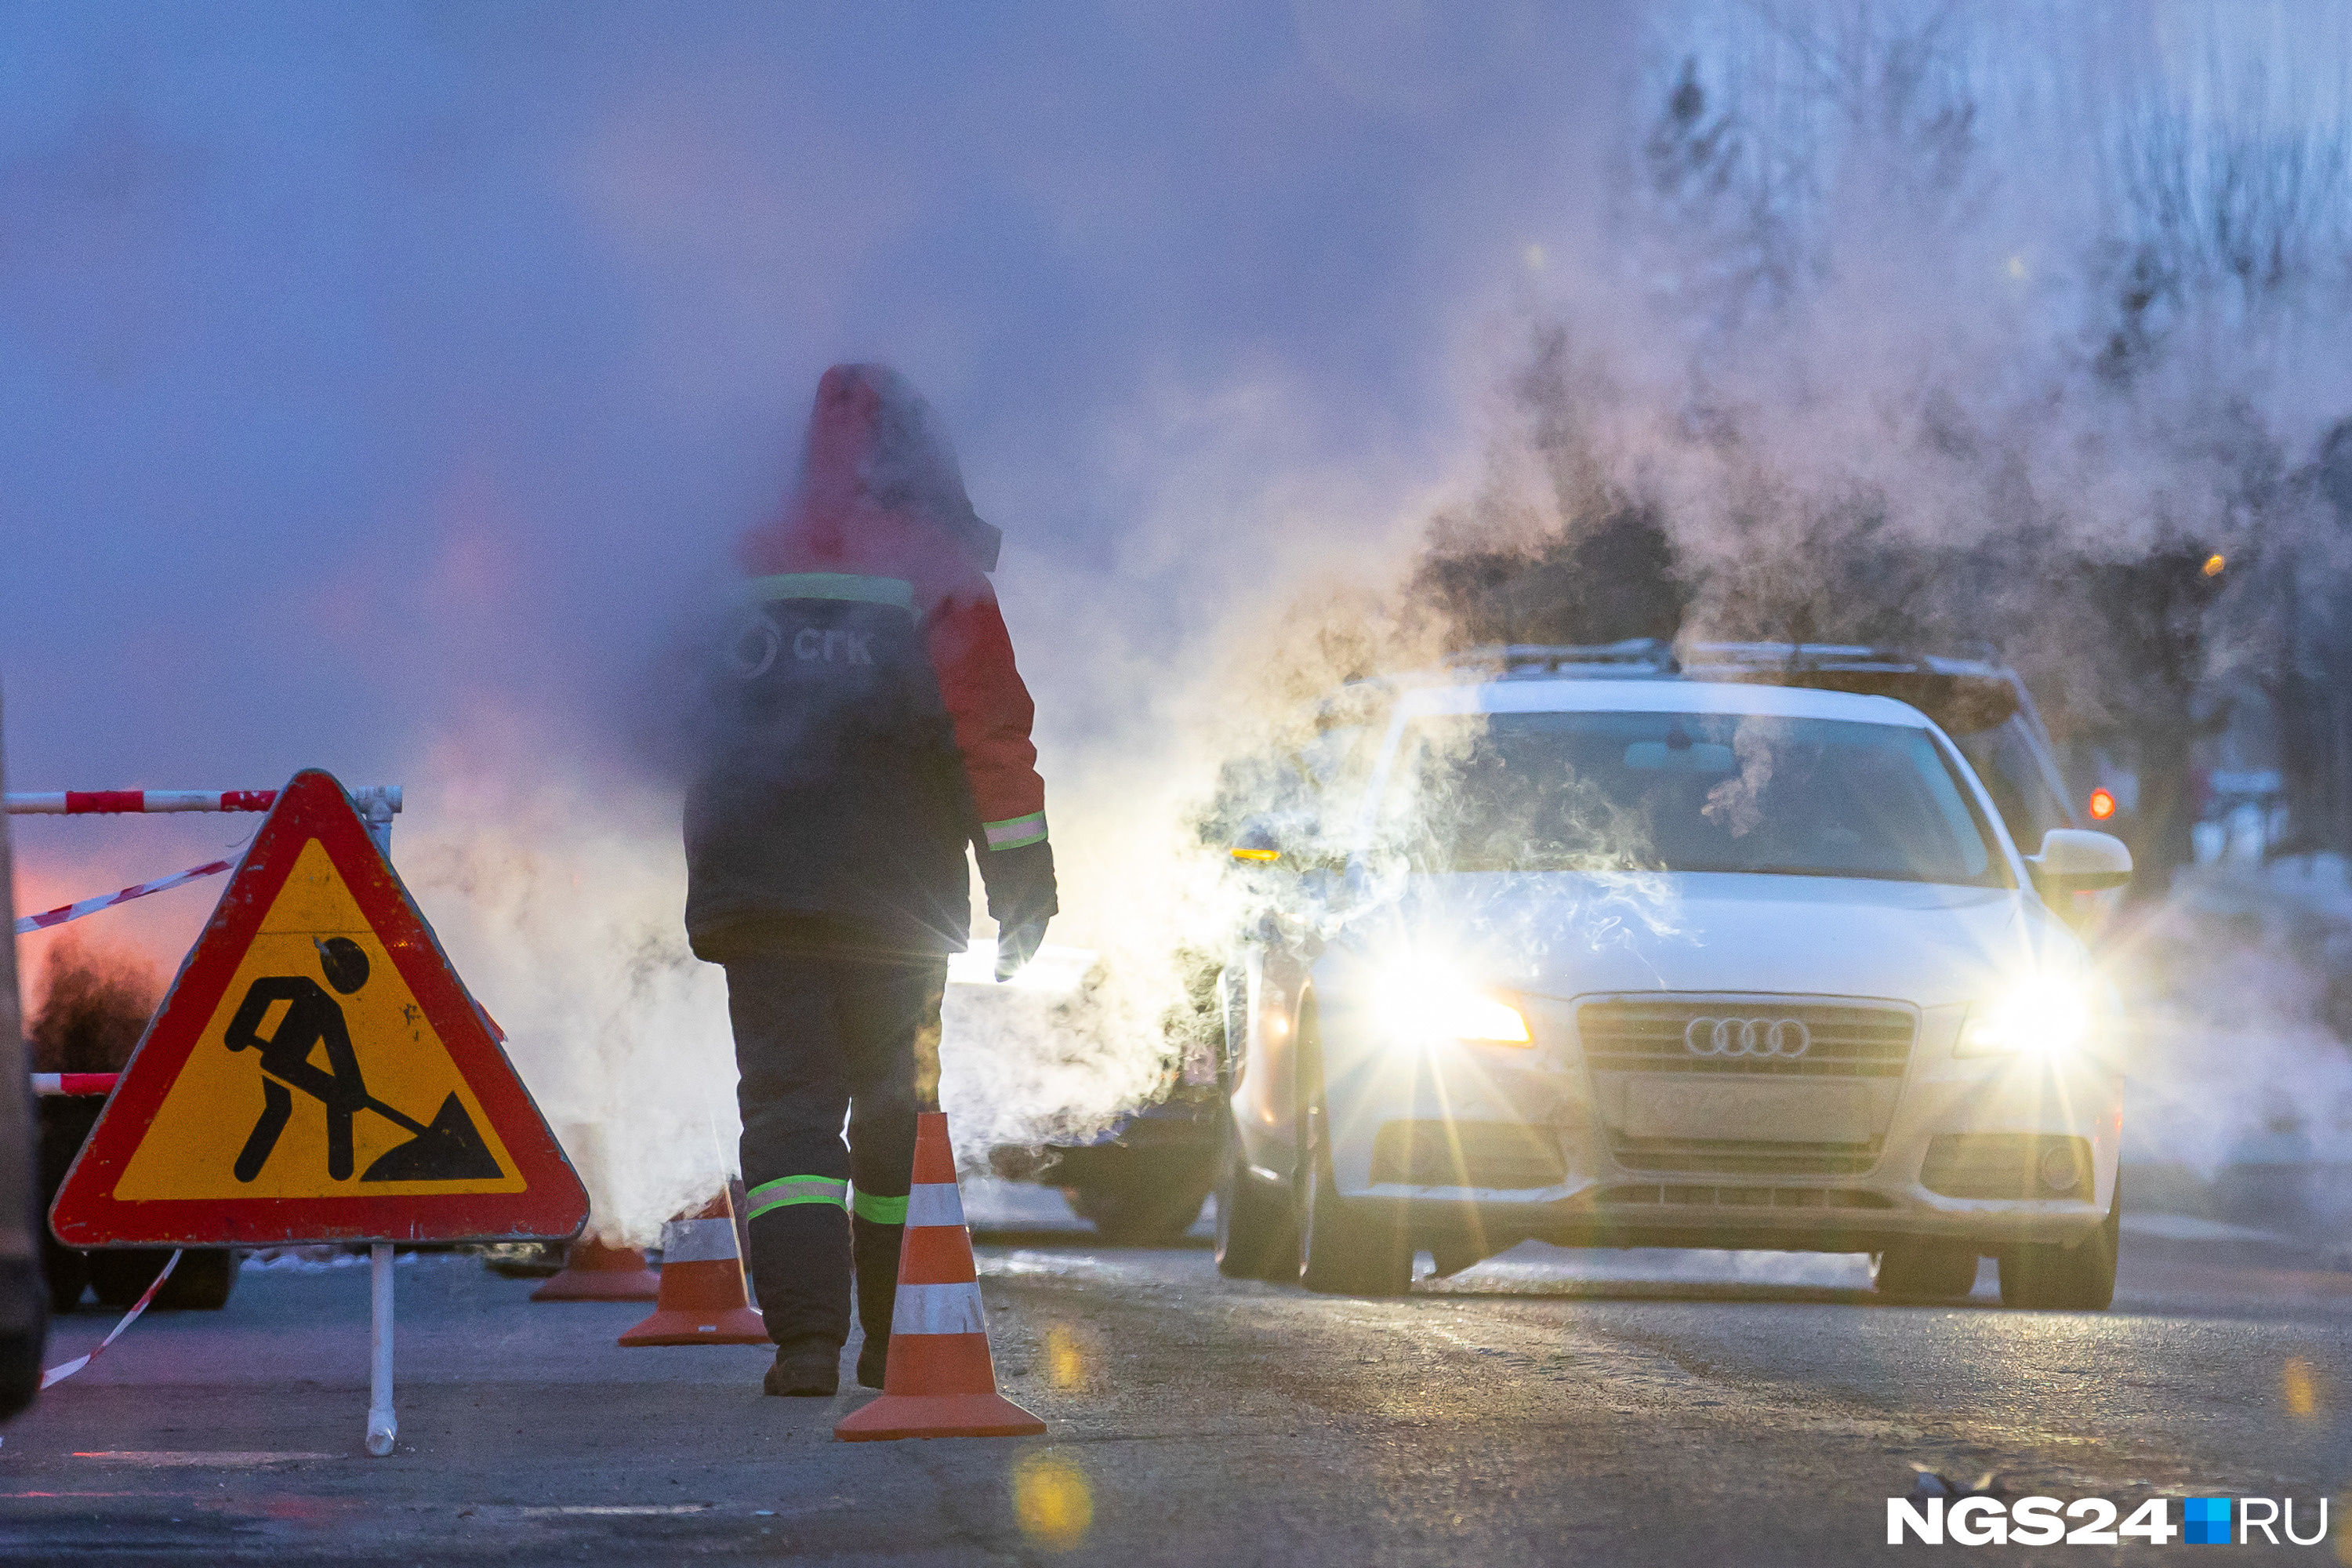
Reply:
x=1426, y=1001
x=2045, y=1017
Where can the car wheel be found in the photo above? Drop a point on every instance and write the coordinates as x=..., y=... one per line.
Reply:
x=1254, y=1239
x=1346, y=1246
x=1923, y=1271
x=120, y=1275
x=1142, y=1218
x=202, y=1283
x=67, y=1271
x=2055, y=1278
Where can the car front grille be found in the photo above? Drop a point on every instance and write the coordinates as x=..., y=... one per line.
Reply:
x=1842, y=1039
x=1744, y=1157
x=1647, y=1196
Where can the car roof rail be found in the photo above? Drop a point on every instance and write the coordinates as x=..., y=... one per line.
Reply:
x=1963, y=695
x=1859, y=657
x=1632, y=655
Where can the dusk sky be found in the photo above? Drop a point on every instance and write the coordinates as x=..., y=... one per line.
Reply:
x=360, y=363
x=374, y=376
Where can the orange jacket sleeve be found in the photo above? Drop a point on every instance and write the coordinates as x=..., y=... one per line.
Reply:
x=971, y=654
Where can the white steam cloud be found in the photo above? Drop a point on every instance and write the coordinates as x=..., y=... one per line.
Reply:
x=2044, y=283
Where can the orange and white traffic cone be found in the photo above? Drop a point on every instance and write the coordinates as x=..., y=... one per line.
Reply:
x=940, y=1382
x=592, y=1271
x=702, y=1300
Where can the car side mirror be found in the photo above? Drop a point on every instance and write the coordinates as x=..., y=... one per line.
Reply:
x=2073, y=860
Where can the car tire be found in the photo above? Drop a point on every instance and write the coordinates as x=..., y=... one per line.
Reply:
x=203, y=1282
x=1346, y=1246
x=2052, y=1277
x=120, y=1275
x=1142, y=1218
x=1253, y=1240
x=67, y=1271
x=1923, y=1271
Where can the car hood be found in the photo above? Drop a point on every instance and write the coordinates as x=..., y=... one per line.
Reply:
x=1569, y=934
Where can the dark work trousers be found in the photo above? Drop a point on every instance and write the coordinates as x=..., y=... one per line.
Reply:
x=820, y=1034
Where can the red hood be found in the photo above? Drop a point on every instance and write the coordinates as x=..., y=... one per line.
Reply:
x=880, y=487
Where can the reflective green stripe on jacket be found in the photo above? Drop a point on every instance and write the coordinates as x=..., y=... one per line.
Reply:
x=1016, y=831
x=831, y=585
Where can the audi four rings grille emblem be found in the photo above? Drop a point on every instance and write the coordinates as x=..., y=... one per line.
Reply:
x=1756, y=1039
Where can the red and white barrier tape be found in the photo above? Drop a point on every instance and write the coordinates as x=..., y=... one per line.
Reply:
x=74, y=1082
x=65, y=1370
x=65, y=913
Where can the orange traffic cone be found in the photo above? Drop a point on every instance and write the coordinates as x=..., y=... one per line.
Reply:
x=592, y=1271
x=940, y=1382
x=702, y=1301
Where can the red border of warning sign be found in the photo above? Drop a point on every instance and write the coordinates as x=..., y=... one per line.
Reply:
x=552, y=1205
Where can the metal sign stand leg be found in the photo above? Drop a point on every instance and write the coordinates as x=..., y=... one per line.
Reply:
x=383, y=1425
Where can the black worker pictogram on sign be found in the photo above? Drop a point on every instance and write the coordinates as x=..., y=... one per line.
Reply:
x=449, y=1149
x=316, y=1073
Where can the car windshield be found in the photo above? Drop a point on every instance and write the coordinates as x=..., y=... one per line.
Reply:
x=1684, y=792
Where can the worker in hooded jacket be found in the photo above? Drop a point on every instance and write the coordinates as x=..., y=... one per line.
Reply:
x=866, y=723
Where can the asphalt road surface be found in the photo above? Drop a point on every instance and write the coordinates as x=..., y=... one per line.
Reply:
x=1545, y=1407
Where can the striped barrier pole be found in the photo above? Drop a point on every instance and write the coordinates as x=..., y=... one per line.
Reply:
x=376, y=804
x=74, y=1083
x=119, y=802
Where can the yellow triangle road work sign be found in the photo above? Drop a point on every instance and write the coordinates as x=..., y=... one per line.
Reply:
x=316, y=1073
x=359, y=1075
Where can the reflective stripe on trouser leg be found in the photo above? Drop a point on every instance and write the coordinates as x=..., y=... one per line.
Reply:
x=879, y=1209
x=785, y=1191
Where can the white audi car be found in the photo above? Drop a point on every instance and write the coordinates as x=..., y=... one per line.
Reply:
x=1660, y=962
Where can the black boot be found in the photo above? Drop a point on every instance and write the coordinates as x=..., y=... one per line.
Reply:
x=809, y=1369
x=877, y=1248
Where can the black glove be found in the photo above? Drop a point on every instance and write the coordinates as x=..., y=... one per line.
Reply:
x=1021, y=899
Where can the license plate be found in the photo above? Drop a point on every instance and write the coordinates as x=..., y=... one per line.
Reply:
x=1747, y=1110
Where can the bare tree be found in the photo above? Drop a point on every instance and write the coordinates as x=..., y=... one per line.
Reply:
x=2229, y=228
x=2223, y=210
x=1595, y=566
x=2304, y=663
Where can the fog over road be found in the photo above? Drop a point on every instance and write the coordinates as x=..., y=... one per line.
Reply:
x=1544, y=1407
